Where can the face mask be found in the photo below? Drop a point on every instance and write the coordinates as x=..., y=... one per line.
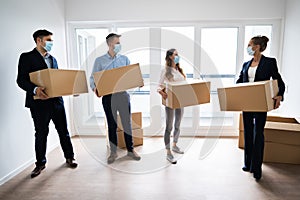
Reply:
x=250, y=51
x=117, y=48
x=176, y=59
x=48, y=46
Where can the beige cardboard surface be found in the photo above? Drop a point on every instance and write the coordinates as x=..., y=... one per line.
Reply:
x=60, y=82
x=284, y=133
x=283, y=130
x=137, y=136
x=187, y=93
x=241, y=139
x=255, y=97
x=281, y=153
x=136, y=121
x=118, y=79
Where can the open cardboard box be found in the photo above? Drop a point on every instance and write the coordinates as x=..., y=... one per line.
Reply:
x=282, y=139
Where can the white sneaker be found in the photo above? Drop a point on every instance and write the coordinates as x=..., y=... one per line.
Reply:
x=176, y=149
x=171, y=159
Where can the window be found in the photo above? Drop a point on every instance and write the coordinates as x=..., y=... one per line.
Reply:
x=211, y=51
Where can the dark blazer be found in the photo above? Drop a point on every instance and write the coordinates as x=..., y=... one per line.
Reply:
x=30, y=62
x=266, y=69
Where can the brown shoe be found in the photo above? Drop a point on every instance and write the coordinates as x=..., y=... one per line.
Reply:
x=70, y=163
x=133, y=155
x=37, y=170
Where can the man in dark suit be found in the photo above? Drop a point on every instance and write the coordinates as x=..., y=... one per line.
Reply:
x=44, y=109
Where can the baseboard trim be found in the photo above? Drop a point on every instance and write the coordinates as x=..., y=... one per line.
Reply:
x=21, y=168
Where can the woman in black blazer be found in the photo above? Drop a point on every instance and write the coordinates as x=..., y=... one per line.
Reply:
x=259, y=68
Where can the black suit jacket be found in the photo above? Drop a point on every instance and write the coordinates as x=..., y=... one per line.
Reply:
x=30, y=62
x=266, y=69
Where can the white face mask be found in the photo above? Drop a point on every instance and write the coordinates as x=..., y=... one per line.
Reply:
x=250, y=51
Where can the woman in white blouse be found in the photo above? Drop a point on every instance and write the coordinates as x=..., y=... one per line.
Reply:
x=171, y=73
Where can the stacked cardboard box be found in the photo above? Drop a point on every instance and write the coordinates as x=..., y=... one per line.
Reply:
x=118, y=79
x=186, y=93
x=60, y=82
x=282, y=139
x=137, y=131
x=252, y=97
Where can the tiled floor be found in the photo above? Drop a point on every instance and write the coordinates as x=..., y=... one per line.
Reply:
x=209, y=169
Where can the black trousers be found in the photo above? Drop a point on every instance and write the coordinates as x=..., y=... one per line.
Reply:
x=41, y=114
x=254, y=123
x=118, y=102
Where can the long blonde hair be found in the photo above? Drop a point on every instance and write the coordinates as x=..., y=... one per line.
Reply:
x=169, y=61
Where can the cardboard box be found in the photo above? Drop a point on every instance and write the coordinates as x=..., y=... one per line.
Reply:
x=137, y=137
x=283, y=133
x=281, y=153
x=118, y=79
x=136, y=121
x=282, y=139
x=60, y=82
x=186, y=93
x=284, y=130
x=137, y=131
x=252, y=97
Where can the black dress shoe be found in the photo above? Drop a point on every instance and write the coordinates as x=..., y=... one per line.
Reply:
x=37, y=170
x=70, y=163
x=246, y=169
x=257, y=176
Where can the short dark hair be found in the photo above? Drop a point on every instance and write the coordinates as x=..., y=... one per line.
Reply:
x=40, y=34
x=110, y=36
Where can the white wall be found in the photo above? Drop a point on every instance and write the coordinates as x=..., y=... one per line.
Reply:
x=177, y=10
x=18, y=21
x=290, y=58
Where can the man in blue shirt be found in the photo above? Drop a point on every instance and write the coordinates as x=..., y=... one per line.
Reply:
x=117, y=102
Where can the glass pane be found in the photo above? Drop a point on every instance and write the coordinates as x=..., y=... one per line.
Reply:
x=94, y=45
x=218, y=50
x=251, y=31
x=218, y=65
x=135, y=45
x=182, y=39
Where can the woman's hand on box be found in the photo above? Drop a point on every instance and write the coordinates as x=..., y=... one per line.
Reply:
x=163, y=94
x=277, y=101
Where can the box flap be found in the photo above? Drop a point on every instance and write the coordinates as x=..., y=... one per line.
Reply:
x=283, y=126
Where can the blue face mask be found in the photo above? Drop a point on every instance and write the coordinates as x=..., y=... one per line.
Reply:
x=48, y=46
x=250, y=51
x=117, y=48
x=176, y=59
